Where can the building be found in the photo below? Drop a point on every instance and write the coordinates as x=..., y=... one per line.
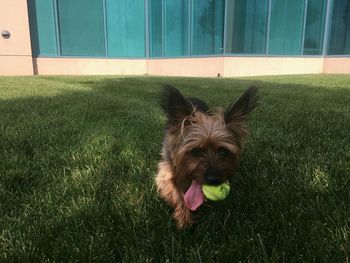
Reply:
x=174, y=37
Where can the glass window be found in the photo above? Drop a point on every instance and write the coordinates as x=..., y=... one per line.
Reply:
x=125, y=28
x=314, y=27
x=156, y=28
x=246, y=26
x=339, y=42
x=42, y=27
x=176, y=28
x=207, y=27
x=286, y=27
x=81, y=27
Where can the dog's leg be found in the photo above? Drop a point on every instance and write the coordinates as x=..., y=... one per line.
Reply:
x=173, y=195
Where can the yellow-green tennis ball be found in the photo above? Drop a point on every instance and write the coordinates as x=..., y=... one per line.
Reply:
x=216, y=192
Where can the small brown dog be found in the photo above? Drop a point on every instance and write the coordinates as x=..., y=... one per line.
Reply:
x=199, y=145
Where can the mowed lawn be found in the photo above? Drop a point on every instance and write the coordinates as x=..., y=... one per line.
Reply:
x=78, y=156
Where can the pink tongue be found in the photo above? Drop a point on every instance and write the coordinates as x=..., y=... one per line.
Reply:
x=194, y=196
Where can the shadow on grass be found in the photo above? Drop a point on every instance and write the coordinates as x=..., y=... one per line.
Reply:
x=77, y=175
x=95, y=144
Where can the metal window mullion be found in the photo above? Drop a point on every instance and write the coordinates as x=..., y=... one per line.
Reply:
x=304, y=27
x=104, y=8
x=225, y=28
x=191, y=27
x=327, y=27
x=147, y=38
x=268, y=27
x=57, y=32
x=189, y=24
x=163, y=28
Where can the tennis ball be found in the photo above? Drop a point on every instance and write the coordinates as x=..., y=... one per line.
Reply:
x=216, y=192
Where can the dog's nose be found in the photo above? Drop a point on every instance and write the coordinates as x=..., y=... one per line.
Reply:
x=213, y=180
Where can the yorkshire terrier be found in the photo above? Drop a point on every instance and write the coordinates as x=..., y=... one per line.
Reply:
x=199, y=146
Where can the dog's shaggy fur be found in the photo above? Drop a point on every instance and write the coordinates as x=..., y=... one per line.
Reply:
x=199, y=145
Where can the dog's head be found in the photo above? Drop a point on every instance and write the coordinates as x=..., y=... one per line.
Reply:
x=204, y=146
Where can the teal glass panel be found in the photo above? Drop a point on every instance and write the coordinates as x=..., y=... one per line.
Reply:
x=42, y=27
x=314, y=27
x=339, y=41
x=286, y=27
x=246, y=26
x=125, y=28
x=176, y=28
x=207, y=27
x=156, y=27
x=81, y=27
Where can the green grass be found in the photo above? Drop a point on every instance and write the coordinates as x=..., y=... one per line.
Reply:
x=78, y=156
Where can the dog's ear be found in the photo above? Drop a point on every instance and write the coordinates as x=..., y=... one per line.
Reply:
x=238, y=111
x=174, y=104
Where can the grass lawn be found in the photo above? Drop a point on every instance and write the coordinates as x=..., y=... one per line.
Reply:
x=78, y=156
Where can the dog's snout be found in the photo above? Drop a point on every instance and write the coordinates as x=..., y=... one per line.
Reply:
x=213, y=180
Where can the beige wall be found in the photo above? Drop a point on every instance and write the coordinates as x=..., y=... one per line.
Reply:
x=234, y=66
x=188, y=67
x=337, y=65
x=15, y=52
x=89, y=66
x=257, y=66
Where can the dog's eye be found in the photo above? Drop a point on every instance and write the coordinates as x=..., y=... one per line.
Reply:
x=223, y=152
x=196, y=152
